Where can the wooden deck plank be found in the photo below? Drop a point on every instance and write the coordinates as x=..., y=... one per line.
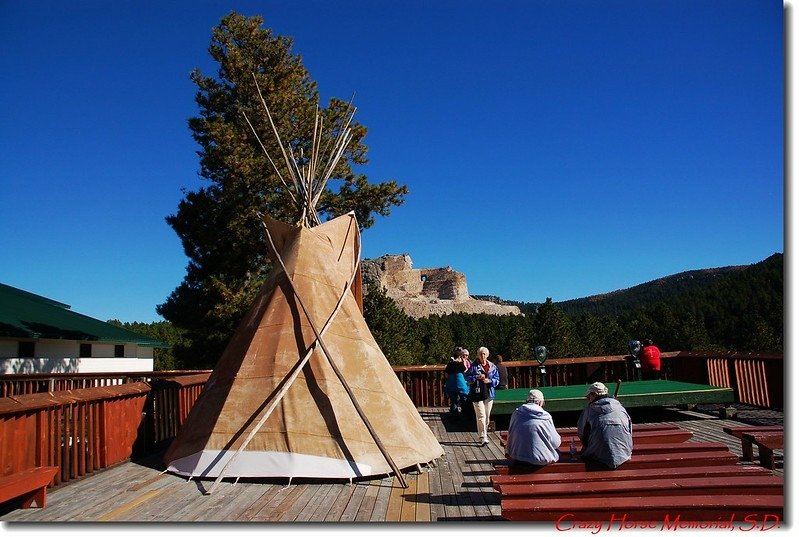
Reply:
x=180, y=498
x=327, y=502
x=423, y=497
x=280, y=502
x=268, y=493
x=350, y=512
x=408, y=510
x=306, y=509
x=119, y=512
x=369, y=501
x=381, y=502
x=394, y=506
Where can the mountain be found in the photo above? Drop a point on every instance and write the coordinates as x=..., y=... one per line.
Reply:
x=669, y=288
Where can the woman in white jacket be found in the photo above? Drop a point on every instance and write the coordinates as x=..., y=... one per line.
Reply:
x=532, y=437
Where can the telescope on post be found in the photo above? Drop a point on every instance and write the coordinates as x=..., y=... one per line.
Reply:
x=541, y=357
x=635, y=351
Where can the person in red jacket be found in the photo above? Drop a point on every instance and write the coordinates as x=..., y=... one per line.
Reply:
x=650, y=361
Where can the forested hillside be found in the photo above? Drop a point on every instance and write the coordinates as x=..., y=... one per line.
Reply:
x=733, y=308
x=724, y=309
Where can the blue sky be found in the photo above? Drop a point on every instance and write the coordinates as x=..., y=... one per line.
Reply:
x=552, y=148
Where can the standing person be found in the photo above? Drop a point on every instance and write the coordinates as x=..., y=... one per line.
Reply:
x=532, y=437
x=464, y=357
x=455, y=387
x=482, y=377
x=605, y=428
x=650, y=361
x=503, y=373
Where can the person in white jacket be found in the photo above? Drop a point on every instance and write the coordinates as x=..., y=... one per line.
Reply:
x=532, y=437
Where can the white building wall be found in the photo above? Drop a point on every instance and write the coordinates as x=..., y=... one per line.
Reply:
x=75, y=365
x=61, y=356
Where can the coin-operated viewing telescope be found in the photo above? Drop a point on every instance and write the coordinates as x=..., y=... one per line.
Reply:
x=635, y=351
x=541, y=356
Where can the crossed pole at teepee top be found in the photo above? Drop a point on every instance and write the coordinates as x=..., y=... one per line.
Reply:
x=289, y=379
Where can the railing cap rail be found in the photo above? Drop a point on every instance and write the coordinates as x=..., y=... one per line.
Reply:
x=108, y=374
x=35, y=401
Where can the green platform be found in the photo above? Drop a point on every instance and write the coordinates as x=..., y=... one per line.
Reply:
x=644, y=393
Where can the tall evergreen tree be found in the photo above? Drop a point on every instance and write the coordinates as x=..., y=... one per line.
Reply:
x=393, y=330
x=218, y=224
x=555, y=330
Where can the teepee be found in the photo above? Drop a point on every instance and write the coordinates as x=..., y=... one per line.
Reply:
x=303, y=389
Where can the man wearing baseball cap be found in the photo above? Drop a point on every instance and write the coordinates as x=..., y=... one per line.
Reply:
x=605, y=429
x=532, y=438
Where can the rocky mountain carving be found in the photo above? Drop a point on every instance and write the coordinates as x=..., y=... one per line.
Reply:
x=424, y=292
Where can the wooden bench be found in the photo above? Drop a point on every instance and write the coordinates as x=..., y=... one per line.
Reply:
x=664, y=486
x=661, y=510
x=30, y=485
x=661, y=483
x=766, y=444
x=572, y=431
x=649, y=460
x=499, y=481
x=660, y=436
x=668, y=447
x=746, y=445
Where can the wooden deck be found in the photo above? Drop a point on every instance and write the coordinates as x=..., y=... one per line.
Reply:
x=457, y=488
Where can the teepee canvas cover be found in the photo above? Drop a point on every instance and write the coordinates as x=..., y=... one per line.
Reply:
x=314, y=430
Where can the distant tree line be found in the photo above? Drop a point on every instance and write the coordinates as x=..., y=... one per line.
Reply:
x=734, y=310
x=163, y=358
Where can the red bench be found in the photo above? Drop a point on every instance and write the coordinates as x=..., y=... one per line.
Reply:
x=659, y=436
x=766, y=444
x=650, y=460
x=499, y=481
x=684, y=486
x=664, y=511
x=643, y=427
x=668, y=447
x=746, y=445
x=30, y=485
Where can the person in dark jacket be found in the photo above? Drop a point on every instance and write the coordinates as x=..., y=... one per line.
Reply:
x=503, y=373
x=455, y=386
x=605, y=429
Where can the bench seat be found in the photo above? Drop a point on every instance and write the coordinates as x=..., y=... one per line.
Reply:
x=671, y=486
x=661, y=510
x=746, y=446
x=766, y=444
x=669, y=447
x=652, y=460
x=674, y=435
x=499, y=481
x=30, y=485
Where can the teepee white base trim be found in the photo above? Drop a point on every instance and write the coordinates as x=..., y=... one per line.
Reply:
x=208, y=464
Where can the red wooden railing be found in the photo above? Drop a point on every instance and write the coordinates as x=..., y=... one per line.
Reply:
x=20, y=384
x=82, y=430
x=78, y=431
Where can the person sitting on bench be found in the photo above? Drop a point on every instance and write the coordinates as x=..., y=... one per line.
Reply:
x=605, y=428
x=532, y=437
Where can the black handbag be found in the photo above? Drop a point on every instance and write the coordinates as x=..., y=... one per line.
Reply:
x=478, y=391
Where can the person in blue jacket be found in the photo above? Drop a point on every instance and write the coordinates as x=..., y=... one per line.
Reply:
x=605, y=428
x=455, y=386
x=483, y=378
x=532, y=437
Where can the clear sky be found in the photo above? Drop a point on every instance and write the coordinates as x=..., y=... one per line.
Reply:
x=557, y=148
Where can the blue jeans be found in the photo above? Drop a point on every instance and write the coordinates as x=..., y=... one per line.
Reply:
x=456, y=402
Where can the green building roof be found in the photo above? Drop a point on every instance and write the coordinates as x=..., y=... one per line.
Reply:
x=24, y=315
